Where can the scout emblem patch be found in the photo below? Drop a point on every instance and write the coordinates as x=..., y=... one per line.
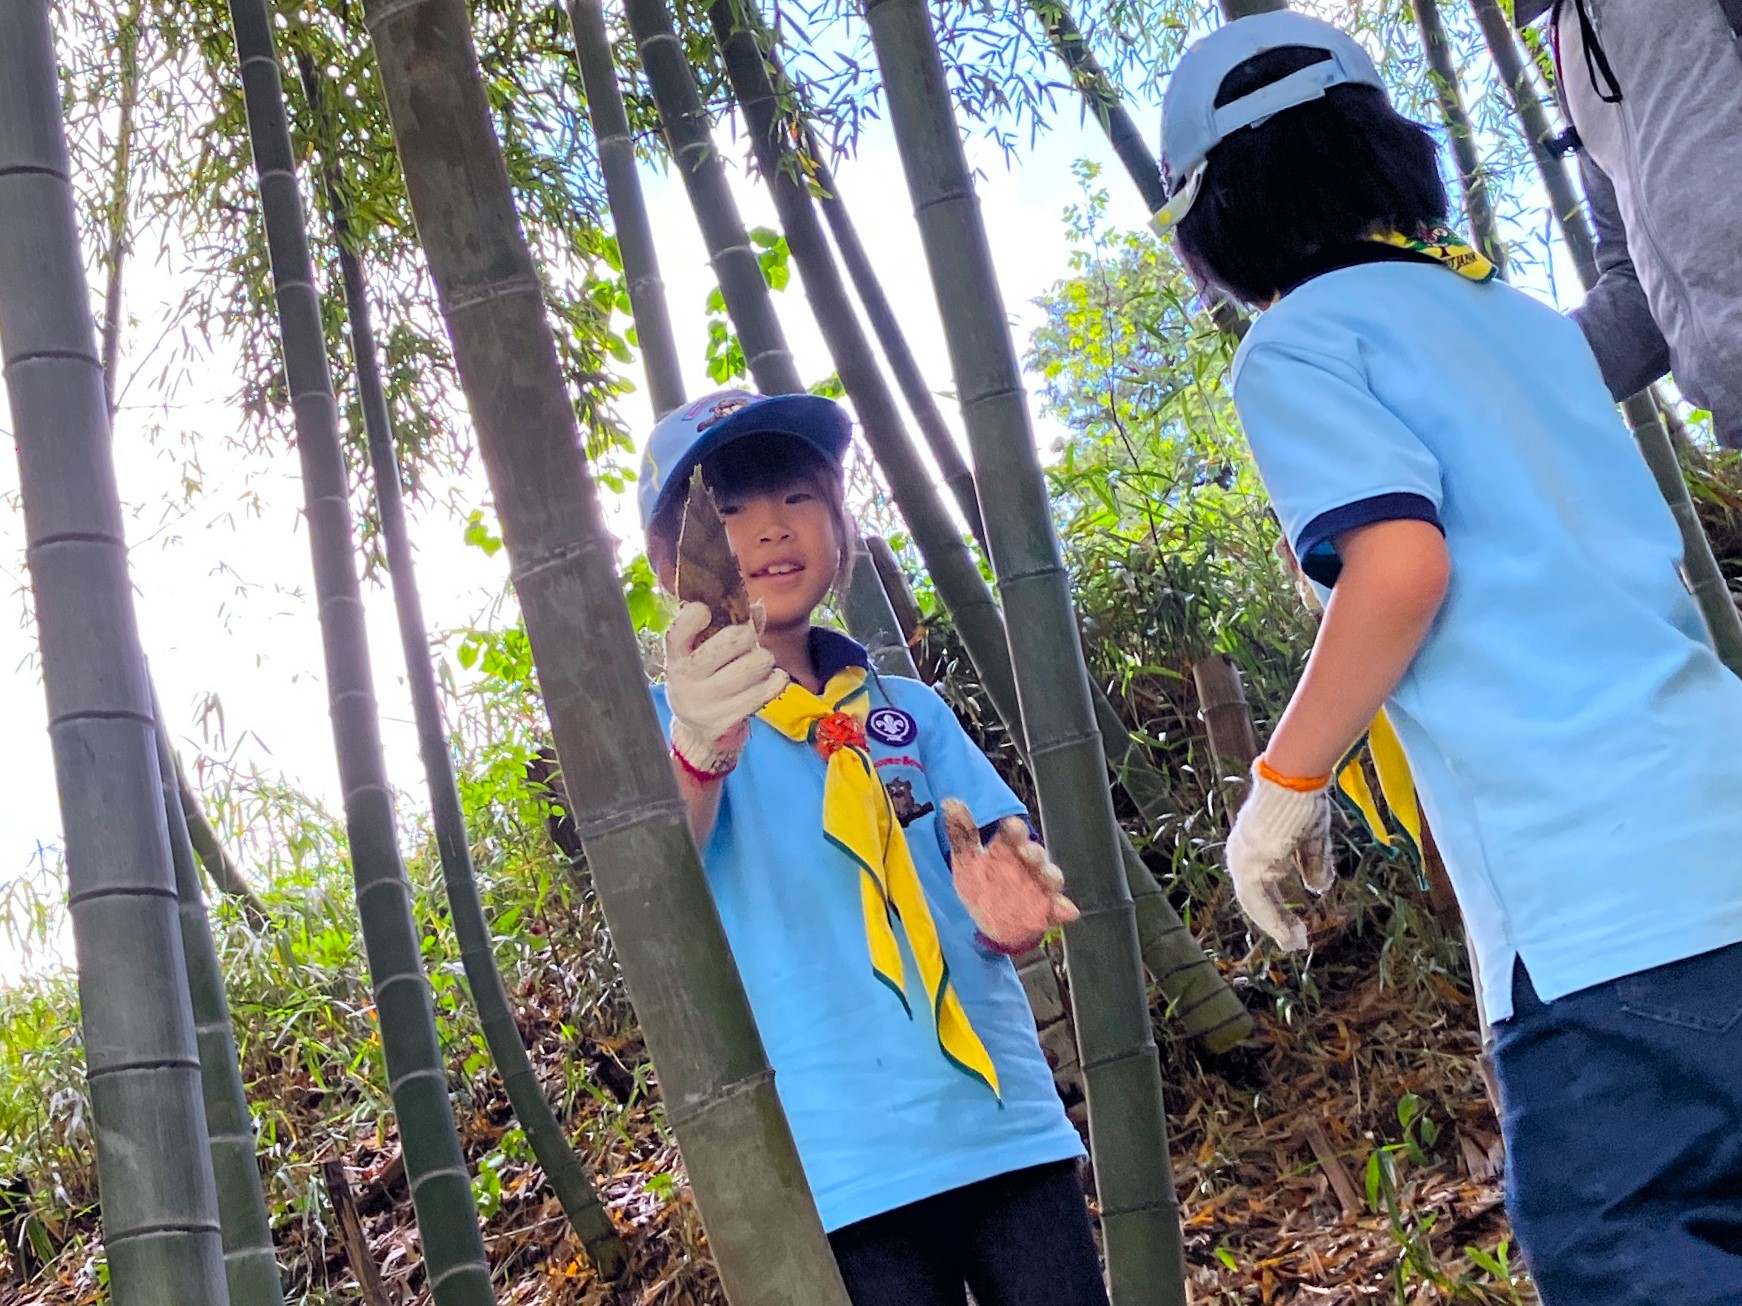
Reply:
x=892, y=726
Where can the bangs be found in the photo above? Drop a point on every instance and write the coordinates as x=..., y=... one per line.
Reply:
x=767, y=464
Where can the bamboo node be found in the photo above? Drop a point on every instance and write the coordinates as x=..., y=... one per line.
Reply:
x=683, y=1113
x=473, y=296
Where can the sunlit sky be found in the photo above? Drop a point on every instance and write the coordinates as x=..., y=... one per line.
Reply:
x=222, y=579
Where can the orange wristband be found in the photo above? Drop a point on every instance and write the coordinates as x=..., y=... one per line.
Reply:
x=1292, y=783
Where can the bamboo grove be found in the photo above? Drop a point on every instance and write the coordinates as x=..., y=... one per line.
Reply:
x=184, y=1216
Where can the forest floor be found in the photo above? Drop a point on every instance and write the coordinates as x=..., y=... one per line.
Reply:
x=1347, y=1155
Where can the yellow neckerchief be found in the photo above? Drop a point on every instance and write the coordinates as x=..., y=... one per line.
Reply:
x=858, y=820
x=1396, y=785
x=1444, y=245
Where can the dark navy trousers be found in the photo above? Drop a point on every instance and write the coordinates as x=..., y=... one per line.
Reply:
x=1622, y=1109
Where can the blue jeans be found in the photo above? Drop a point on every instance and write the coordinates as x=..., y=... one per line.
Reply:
x=1622, y=1109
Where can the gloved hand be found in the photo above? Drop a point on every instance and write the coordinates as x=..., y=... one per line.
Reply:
x=1010, y=886
x=1280, y=831
x=715, y=687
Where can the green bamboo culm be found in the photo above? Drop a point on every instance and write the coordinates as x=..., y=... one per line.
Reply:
x=1704, y=576
x=220, y=867
x=921, y=403
x=441, y=1189
x=154, y=1177
x=871, y=615
x=1104, y=104
x=1122, y=1073
x=564, y=1171
x=1198, y=999
x=1472, y=177
x=763, y=1228
x=616, y=150
x=250, y=1265
x=684, y=121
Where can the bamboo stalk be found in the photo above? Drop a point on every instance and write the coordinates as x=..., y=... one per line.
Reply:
x=224, y=872
x=896, y=587
x=352, y=1236
x=219, y=866
x=870, y=612
x=1227, y=723
x=762, y=1225
x=1472, y=177
x=441, y=1189
x=564, y=1171
x=1127, y=1125
x=120, y=197
x=154, y=1176
x=1705, y=577
x=1103, y=101
x=684, y=119
x=892, y=340
x=250, y=1263
x=628, y=208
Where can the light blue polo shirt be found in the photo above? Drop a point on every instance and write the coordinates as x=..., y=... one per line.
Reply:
x=880, y=1117
x=1577, y=744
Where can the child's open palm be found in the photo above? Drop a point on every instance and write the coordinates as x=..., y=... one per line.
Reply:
x=1009, y=885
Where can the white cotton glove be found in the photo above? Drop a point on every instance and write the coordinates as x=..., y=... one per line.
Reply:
x=715, y=687
x=1280, y=832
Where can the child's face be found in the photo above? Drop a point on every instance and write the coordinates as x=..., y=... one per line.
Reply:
x=788, y=549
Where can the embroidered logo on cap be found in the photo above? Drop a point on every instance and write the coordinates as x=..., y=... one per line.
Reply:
x=723, y=407
x=892, y=726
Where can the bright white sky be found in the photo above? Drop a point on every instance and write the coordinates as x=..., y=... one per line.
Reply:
x=223, y=592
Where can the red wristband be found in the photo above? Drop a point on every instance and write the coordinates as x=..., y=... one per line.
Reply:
x=696, y=773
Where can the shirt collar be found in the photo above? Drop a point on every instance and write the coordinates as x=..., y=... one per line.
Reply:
x=1348, y=256
x=832, y=652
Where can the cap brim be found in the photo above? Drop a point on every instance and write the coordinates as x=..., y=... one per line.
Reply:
x=1169, y=215
x=819, y=422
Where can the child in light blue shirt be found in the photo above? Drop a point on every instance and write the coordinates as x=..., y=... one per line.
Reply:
x=1502, y=576
x=873, y=874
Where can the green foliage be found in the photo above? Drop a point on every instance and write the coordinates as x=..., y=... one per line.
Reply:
x=305, y=1021
x=189, y=190
x=1160, y=511
x=726, y=362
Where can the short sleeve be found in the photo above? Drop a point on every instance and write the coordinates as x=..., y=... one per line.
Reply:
x=1332, y=456
x=955, y=766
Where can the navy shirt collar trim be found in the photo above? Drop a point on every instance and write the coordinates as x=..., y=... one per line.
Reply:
x=1347, y=256
x=832, y=653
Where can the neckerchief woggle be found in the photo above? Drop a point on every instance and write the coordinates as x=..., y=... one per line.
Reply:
x=859, y=821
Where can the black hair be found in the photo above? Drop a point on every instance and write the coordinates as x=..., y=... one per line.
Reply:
x=1314, y=178
x=750, y=465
